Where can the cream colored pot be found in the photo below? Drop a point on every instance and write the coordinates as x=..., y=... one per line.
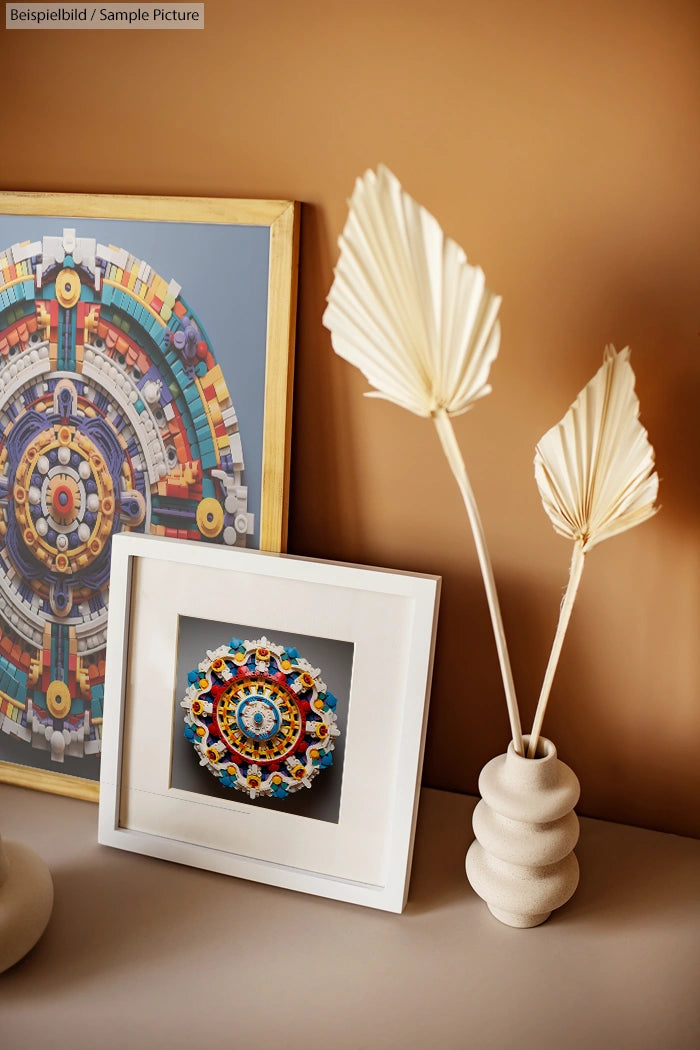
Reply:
x=522, y=862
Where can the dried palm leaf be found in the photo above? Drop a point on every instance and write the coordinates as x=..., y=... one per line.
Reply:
x=595, y=472
x=408, y=310
x=405, y=306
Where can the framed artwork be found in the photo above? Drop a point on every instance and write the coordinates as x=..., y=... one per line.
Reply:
x=146, y=352
x=266, y=716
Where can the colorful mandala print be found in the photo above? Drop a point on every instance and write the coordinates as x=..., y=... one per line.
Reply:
x=260, y=718
x=114, y=416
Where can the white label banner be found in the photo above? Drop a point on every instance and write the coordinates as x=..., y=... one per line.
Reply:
x=104, y=16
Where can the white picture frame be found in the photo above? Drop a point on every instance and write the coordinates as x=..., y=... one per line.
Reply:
x=382, y=625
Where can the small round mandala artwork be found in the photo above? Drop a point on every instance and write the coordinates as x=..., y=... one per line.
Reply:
x=260, y=718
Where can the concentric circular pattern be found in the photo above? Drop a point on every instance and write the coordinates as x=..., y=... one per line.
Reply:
x=114, y=415
x=260, y=718
x=64, y=499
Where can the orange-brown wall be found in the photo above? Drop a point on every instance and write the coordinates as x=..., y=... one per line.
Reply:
x=558, y=143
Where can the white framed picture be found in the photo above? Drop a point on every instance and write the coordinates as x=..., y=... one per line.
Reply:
x=265, y=715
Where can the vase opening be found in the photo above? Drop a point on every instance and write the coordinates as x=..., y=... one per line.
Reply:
x=545, y=748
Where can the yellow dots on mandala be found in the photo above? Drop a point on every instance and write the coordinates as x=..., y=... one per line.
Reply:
x=239, y=658
x=200, y=731
x=277, y=780
x=203, y=683
x=20, y=494
x=314, y=753
x=232, y=771
x=285, y=665
x=318, y=704
x=63, y=436
x=61, y=562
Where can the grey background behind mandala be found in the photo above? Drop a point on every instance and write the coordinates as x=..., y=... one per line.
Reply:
x=322, y=800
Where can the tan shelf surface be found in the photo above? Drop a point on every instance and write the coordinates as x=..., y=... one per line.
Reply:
x=141, y=953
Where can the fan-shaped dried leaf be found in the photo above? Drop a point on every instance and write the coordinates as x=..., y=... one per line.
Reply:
x=406, y=308
x=595, y=468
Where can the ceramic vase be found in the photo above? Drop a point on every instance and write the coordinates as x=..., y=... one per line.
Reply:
x=26, y=900
x=522, y=862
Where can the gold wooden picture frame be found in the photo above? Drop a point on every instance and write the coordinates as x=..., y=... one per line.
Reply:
x=146, y=368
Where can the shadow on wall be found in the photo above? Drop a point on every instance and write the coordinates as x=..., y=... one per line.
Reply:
x=668, y=365
x=632, y=306
x=468, y=722
x=321, y=422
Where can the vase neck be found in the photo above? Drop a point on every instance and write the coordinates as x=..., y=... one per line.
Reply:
x=538, y=772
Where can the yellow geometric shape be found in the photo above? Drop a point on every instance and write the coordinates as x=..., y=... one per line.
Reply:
x=210, y=517
x=58, y=699
x=68, y=288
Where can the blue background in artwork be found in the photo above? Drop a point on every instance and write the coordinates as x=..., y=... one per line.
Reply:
x=223, y=271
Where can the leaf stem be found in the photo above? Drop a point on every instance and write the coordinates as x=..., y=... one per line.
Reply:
x=575, y=570
x=451, y=449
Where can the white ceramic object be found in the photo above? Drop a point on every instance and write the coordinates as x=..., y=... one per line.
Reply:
x=522, y=862
x=26, y=900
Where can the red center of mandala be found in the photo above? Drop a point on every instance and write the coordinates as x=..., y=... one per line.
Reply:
x=62, y=499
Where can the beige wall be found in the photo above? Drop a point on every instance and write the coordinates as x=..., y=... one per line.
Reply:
x=558, y=143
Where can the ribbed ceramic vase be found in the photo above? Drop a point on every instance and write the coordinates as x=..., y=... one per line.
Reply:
x=522, y=862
